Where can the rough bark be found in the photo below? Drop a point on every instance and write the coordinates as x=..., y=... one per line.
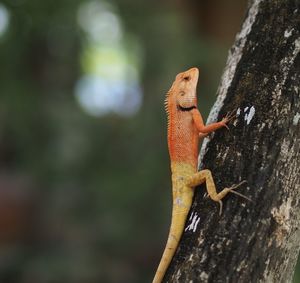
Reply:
x=251, y=241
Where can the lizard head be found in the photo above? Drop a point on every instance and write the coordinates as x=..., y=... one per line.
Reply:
x=183, y=90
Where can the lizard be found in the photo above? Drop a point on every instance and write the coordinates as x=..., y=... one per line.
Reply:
x=185, y=129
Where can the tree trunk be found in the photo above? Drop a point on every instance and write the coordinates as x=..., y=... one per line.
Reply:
x=254, y=241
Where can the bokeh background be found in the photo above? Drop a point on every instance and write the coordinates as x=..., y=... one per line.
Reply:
x=84, y=171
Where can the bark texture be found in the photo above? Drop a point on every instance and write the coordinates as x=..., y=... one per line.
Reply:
x=251, y=241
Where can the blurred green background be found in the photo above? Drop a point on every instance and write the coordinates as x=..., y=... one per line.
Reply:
x=84, y=170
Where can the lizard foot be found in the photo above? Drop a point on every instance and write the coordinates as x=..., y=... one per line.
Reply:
x=233, y=187
x=232, y=190
x=228, y=118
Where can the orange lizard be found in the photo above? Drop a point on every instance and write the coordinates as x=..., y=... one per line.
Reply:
x=185, y=127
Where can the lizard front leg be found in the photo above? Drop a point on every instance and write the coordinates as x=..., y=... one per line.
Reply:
x=206, y=129
x=205, y=176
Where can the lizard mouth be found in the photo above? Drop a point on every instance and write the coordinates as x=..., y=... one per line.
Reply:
x=181, y=108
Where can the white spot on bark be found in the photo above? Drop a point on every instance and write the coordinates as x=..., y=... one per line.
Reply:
x=262, y=126
x=249, y=116
x=285, y=147
x=297, y=46
x=268, y=276
x=203, y=276
x=225, y=153
x=238, y=112
x=193, y=225
x=204, y=257
x=282, y=215
x=192, y=214
x=201, y=240
x=288, y=33
x=241, y=265
x=178, y=274
x=296, y=119
x=191, y=257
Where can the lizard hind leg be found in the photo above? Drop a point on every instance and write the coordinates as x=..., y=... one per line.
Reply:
x=205, y=176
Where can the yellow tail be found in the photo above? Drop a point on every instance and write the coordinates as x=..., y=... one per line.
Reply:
x=179, y=215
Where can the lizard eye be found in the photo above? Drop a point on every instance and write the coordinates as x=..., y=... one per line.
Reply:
x=186, y=78
x=182, y=93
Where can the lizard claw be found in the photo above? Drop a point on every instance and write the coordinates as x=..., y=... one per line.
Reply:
x=233, y=187
x=231, y=115
x=228, y=118
x=226, y=127
x=221, y=207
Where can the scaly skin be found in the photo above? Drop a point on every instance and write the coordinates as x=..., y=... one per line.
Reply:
x=185, y=127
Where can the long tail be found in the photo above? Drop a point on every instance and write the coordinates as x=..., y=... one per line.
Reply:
x=179, y=215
